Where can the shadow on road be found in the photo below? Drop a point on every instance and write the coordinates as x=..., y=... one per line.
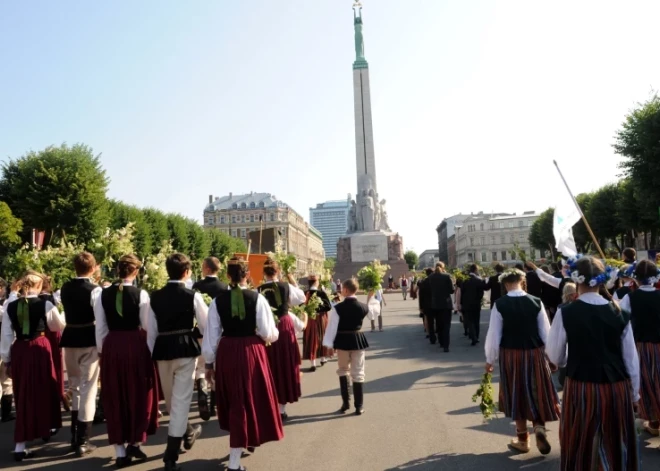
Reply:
x=489, y=461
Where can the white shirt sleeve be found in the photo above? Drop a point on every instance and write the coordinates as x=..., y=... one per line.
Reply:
x=298, y=325
x=145, y=307
x=96, y=294
x=494, y=336
x=212, y=335
x=152, y=330
x=6, y=339
x=556, y=347
x=201, y=312
x=331, y=330
x=54, y=319
x=631, y=359
x=102, y=329
x=296, y=296
x=549, y=279
x=265, y=322
x=57, y=296
x=543, y=324
x=624, y=304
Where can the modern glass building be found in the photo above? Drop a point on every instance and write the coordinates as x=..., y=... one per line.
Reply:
x=331, y=220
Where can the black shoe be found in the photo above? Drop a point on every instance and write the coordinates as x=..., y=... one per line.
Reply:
x=212, y=404
x=466, y=334
x=433, y=339
x=427, y=336
x=284, y=417
x=312, y=369
x=123, y=462
x=23, y=455
x=240, y=468
x=202, y=400
x=323, y=362
x=358, y=392
x=251, y=449
x=446, y=349
x=192, y=434
x=5, y=407
x=171, y=466
x=136, y=452
x=474, y=342
x=84, y=447
x=171, y=455
x=74, y=430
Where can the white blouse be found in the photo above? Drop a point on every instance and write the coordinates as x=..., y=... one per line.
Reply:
x=625, y=302
x=557, y=346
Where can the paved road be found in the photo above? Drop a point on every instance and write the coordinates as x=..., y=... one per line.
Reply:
x=419, y=417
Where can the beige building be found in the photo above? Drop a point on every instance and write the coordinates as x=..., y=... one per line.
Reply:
x=486, y=239
x=238, y=215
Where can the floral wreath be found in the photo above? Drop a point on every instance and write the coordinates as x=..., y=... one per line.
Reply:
x=511, y=272
x=629, y=271
x=601, y=279
x=651, y=280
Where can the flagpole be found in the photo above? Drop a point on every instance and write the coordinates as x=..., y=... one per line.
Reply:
x=261, y=231
x=584, y=219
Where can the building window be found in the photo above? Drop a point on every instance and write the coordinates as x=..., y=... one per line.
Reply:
x=521, y=223
x=252, y=217
x=494, y=255
x=503, y=255
x=492, y=240
x=222, y=219
x=484, y=257
x=234, y=206
x=272, y=216
x=501, y=225
x=233, y=219
x=514, y=256
x=510, y=224
x=512, y=239
x=233, y=232
x=481, y=227
x=243, y=205
x=252, y=205
x=502, y=239
x=261, y=204
x=492, y=226
x=483, y=241
x=470, y=257
x=471, y=241
x=242, y=232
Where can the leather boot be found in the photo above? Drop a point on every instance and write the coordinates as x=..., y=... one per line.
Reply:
x=99, y=414
x=212, y=404
x=5, y=405
x=192, y=434
x=171, y=455
x=202, y=400
x=380, y=322
x=345, y=394
x=74, y=430
x=358, y=391
x=84, y=447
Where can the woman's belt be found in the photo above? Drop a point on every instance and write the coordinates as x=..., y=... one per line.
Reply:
x=36, y=335
x=349, y=331
x=176, y=332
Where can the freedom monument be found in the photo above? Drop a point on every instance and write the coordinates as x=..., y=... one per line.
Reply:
x=369, y=235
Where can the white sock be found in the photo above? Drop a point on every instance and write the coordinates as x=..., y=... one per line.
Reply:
x=323, y=360
x=314, y=362
x=282, y=408
x=120, y=451
x=235, y=458
x=20, y=447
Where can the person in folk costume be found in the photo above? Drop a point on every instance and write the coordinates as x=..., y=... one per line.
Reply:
x=211, y=286
x=241, y=328
x=516, y=336
x=174, y=309
x=375, y=307
x=29, y=361
x=424, y=300
x=413, y=288
x=601, y=392
x=130, y=393
x=643, y=305
x=80, y=355
x=626, y=280
x=344, y=334
x=315, y=329
x=54, y=338
x=6, y=391
x=284, y=355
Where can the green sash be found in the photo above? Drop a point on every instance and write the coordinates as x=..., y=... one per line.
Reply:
x=237, y=303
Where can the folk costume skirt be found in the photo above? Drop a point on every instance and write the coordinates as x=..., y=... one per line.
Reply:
x=325, y=351
x=649, y=387
x=36, y=392
x=526, y=388
x=54, y=340
x=597, y=427
x=313, y=338
x=130, y=387
x=245, y=392
x=284, y=361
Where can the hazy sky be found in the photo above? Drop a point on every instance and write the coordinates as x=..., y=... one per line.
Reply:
x=471, y=99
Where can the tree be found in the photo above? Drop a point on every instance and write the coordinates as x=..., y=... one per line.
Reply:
x=540, y=235
x=223, y=245
x=60, y=190
x=200, y=242
x=160, y=233
x=10, y=227
x=122, y=214
x=329, y=264
x=411, y=259
x=605, y=224
x=178, y=227
x=581, y=235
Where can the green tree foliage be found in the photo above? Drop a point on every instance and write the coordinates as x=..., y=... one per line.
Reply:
x=540, y=234
x=10, y=228
x=60, y=190
x=200, y=242
x=122, y=214
x=178, y=227
x=602, y=215
x=581, y=235
x=223, y=245
x=329, y=264
x=411, y=259
x=157, y=222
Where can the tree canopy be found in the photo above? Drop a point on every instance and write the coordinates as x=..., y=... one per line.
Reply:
x=10, y=227
x=411, y=259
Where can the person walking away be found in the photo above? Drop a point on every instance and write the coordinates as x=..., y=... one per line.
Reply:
x=404, y=287
x=601, y=392
x=472, y=295
x=441, y=288
x=315, y=329
x=211, y=286
x=172, y=315
x=6, y=391
x=375, y=303
x=517, y=333
x=80, y=354
x=532, y=280
x=413, y=288
x=627, y=282
x=128, y=375
x=390, y=280
x=643, y=305
x=425, y=302
x=493, y=285
x=344, y=334
x=29, y=362
x=551, y=296
x=241, y=328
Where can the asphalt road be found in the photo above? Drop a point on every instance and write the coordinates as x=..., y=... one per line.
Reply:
x=419, y=417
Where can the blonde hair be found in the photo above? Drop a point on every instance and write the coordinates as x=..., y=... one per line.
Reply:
x=31, y=280
x=570, y=289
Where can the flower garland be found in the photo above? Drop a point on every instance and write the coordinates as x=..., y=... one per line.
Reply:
x=487, y=405
x=609, y=274
x=510, y=272
x=651, y=280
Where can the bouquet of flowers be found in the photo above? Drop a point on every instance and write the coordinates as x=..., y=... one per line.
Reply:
x=155, y=274
x=312, y=305
x=487, y=405
x=207, y=299
x=287, y=262
x=326, y=279
x=371, y=276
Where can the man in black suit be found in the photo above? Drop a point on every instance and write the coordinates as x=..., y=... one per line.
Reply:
x=472, y=295
x=211, y=286
x=534, y=283
x=440, y=287
x=494, y=286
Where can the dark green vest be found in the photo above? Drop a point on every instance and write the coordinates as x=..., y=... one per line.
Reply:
x=520, y=322
x=645, y=316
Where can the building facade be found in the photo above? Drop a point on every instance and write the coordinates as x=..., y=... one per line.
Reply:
x=427, y=259
x=331, y=220
x=487, y=239
x=451, y=251
x=238, y=215
x=446, y=230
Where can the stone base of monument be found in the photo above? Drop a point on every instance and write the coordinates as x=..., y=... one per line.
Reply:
x=358, y=250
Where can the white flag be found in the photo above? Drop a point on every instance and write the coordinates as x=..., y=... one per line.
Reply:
x=566, y=215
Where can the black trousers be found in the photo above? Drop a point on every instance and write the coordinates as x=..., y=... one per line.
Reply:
x=473, y=317
x=431, y=326
x=443, y=324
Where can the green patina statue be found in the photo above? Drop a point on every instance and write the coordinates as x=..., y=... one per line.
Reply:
x=359, y=39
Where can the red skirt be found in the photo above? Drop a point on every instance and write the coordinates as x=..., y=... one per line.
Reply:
x=313, y=338
x=284, y=360
x=36, y=392
x=245, y=393
x=54, y=340
x=526, y=389
x=130, y=389
x=649, y=387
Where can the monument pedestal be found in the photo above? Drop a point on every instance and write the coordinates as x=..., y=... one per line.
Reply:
x=358, y=250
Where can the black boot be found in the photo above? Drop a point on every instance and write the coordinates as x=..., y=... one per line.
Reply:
x=5, y=405
x=202, y=400
x=134, y=451
x=171, y=455
x=358, y=391
x=212, y=404
x=84, y=447
x=74, y=430
x=345, y=394
x=192, y=434
x=99, y=415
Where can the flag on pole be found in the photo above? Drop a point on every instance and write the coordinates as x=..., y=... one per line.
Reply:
x=566, y=216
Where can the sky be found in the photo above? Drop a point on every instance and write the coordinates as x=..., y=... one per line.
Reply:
x=471, y=100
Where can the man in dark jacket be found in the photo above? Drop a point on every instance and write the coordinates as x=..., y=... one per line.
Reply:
x=494, y=286
x=534, y=283
x=472, y=295
x=440, y=287
x=424, y=297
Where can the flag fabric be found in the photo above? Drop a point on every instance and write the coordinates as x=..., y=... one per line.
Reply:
x=566, y=216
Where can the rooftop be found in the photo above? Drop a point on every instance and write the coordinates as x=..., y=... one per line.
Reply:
x=332, y=204
x=526, y=214
x=251, y=200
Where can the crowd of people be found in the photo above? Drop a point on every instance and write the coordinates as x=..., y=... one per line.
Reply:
x=236, y=345
x=599, y=326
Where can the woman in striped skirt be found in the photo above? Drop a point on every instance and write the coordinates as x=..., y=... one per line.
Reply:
x=313, y=335
x=597, y=429
x=643, y=305
x=517, y=333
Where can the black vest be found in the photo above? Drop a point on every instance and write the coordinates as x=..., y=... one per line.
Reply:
x=267, y=290
x=326, y=306
x=174, y=308
x=520, y=329
x=211, y=286
x=37, y=314
x=78, y=311
x=621, y=292
x=594, y=335
x=351, y=314
x=234, y=326
x=130, y=318
x=645, y=316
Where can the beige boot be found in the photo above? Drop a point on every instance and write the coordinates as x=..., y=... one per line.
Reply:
x=650, y=429
x=542, y=442
x=521, y=443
